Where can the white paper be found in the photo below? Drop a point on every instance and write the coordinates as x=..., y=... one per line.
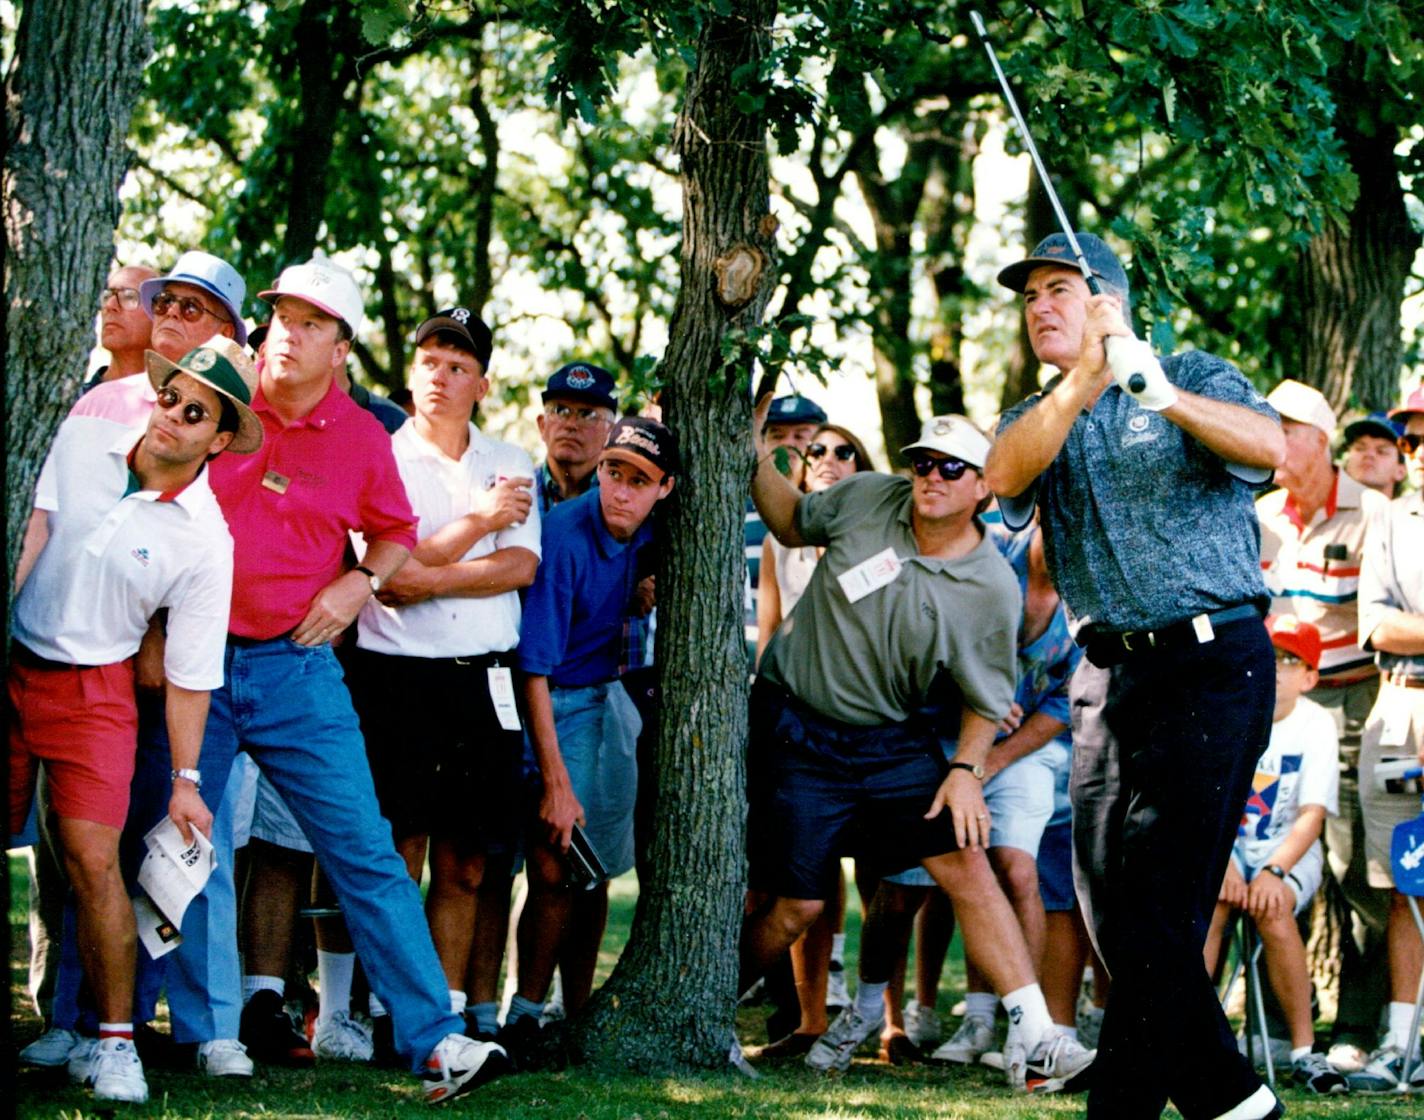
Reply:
x=157, y=934
x=501, y=686
x=173, y=872
x=870, y=575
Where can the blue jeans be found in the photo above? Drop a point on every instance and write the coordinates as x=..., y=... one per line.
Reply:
x=287, y=706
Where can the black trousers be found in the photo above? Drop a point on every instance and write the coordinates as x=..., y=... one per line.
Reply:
x=1165, y=747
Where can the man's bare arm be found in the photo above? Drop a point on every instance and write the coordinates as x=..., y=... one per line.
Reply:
x=1236, y=433
x=505, y=569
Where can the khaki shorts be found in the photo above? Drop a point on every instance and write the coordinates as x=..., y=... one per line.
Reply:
x=1395, y=729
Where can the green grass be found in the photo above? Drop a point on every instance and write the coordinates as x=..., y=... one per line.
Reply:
x=870, y=1091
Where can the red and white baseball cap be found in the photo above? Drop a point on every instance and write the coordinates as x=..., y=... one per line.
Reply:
x=326, y=286
x=1295, y=635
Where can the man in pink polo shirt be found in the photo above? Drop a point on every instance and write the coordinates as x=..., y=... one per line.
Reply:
x=326, y=469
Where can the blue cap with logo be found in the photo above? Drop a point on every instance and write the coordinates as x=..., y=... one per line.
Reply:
x=1375, y=424
x=795, y=410
x=1055, y=250
x=580, y=381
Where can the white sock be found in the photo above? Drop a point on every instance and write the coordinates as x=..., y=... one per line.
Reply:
x=1401, y=1015
x=251, y=985
x=375, y=1006
x=1066, y=1032
x=1029, y=1014
x=1298, y=1052
x=333, y=977
x=1254, y=1107
x=111, y=1034
x=980, y=1005
x=457, y=1002
x=838, y=947
x=870, y=1000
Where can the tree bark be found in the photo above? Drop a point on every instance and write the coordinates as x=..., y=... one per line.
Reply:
x=1344, y=297
x=671, y=1001
x=69, y=94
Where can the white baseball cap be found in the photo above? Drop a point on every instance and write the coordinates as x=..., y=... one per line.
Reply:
x=325, y=285
x=1299, y=402
x=953, y=435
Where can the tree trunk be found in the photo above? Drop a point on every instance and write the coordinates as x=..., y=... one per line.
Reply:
x=69, y=94
x=671, y=1001
x=1348, y=284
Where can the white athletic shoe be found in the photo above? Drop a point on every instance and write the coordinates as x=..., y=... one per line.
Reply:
x=81, y=1061
x=1346, y=1057
x=51, y=1049
x=458, y=1064
x=837, y=993
x=224, y=1057
x=842, y=1039
x=973, y=1039
x=117, y=1072
x=343, y=1038
x=1055, y=1062
x=921, y=1024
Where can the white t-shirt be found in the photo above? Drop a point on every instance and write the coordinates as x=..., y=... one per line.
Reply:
x=1300, y=767
x=113, y=559
x=442, y=489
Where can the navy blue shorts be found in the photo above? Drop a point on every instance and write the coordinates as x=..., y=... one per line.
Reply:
x=820, y=789
x=1055, y=867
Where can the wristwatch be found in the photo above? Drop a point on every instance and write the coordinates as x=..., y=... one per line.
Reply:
x=194, y=776
x=374, y=579
x=973, y=767
x=1276, y=869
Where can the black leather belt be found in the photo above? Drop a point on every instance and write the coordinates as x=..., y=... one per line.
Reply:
x=24, y=655
x=241, y=641
x=1112, y=647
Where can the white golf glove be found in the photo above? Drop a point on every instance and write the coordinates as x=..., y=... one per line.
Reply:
x=1133, y=363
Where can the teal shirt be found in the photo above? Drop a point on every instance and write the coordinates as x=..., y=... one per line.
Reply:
x=942, y=630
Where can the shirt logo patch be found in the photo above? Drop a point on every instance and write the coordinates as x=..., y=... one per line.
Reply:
x=1140, y=429
x=1138, y=423
x=141, y=555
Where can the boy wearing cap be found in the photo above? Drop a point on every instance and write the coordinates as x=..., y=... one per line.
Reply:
x=1144, y=488
x=326, y=470
x=887, y=646
x=132, y=528
x=1277, y=862
x=582, y=725
x=434, y=675
x=1373, y=456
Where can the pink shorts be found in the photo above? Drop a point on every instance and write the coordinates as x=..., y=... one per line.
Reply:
x=81, y=724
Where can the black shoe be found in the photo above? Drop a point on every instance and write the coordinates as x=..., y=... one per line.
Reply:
x=270, y=1035
x=472, y=1030
x=157, y=1050
x=383, y=1036
x=532, y=1047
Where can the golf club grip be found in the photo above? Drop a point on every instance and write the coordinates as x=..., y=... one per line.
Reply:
x=1136, y=382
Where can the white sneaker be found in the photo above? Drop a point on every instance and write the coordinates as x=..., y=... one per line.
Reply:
x=842, y=1039
x=118, y=1073
x=921, y=1024
x=1346, y=1057
x=343, y=1039
x=458, y=1064
x=224, y=1057
x=1056, y=1061
x=973, y=1039
x=837, y=993
x=51, y=1049
x=81, y=1061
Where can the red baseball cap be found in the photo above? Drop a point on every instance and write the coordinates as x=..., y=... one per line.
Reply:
x=1295, y=635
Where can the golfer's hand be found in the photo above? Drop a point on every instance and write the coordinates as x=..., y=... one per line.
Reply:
x=1233, y=888
x=187, y=810
x=759, y=415
x=560, y=810
x=1268, y=897
x=334, y=609
x=963, y=795
x=1104, y=318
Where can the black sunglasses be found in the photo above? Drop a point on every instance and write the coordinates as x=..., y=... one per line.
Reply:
x=1410, y=441
x=844, y=452
x=949, y=469
x=193, y=412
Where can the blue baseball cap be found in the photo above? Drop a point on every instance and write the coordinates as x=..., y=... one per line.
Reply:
x=1375, y=424
x=794, y=410
x=214, y=275
x=1055, y=250
x=581, y=381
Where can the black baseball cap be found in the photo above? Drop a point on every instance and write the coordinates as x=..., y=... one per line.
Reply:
x=465, y=325
x=641, y=441
x=581, y=381
x=1055, y=249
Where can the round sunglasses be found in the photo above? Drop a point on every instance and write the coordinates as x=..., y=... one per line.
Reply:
x=193, y=413
x=189, y=309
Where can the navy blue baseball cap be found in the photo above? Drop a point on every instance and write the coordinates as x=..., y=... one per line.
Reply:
x=1375, y=424
x=581, y=381
x=794, y=410
x=1055, y=250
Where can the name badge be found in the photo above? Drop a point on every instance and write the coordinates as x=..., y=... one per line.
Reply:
x=501, y=687
x=277, y=482
x=870, y=575
x=1202, y=625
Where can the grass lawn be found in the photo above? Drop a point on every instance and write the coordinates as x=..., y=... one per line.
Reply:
x=870, y=1091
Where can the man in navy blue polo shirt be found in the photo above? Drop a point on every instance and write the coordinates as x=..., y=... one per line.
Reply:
x=582, y=724
x=1145, y=499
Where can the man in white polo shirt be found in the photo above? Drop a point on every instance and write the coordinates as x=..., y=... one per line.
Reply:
x=131, y=527
x=433, y=676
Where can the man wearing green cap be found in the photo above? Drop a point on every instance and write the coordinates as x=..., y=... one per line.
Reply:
x=131, y=527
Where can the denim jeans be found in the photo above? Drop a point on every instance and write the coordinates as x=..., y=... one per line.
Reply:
x=288, y=707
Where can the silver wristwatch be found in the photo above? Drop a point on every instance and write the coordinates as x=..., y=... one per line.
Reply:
x=194, y=776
